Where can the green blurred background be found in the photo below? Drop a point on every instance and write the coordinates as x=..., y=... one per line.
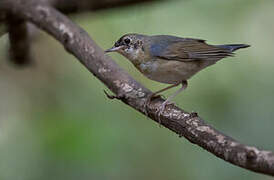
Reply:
x=56, y=122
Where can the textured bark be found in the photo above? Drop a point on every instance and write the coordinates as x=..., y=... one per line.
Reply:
x=77, y=42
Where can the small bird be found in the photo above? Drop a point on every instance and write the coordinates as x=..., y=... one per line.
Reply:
x=170, y=59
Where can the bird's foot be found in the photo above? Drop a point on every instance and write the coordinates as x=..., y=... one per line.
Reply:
x=193, y=114
x=119, y=97
x=148, y=101
x=161, y=109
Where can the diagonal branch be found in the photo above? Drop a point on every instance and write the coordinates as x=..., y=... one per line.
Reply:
x=77, y=42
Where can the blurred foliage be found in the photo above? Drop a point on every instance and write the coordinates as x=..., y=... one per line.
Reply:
x=56, y=122
x=2, y=30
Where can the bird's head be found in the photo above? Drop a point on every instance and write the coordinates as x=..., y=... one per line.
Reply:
x=130, y=45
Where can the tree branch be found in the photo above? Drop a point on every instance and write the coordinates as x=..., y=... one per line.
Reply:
x=71, y=6
x=77, y=42
x=19, y=50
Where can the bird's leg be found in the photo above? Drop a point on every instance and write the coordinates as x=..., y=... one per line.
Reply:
x=164, y=89
x=155, y=94
x=162, y=107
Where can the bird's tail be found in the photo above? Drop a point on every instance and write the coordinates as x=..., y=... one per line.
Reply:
x=233, y=47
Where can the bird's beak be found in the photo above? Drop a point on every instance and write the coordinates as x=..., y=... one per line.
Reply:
x=113, y=49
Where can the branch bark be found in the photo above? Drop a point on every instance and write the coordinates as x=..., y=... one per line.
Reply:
x=77, y=42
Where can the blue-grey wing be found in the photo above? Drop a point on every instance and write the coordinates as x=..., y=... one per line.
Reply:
x=186, y=49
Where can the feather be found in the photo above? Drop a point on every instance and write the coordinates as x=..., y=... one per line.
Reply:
x=187, y=49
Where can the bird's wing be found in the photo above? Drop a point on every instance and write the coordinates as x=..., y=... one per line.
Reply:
x=186, y=49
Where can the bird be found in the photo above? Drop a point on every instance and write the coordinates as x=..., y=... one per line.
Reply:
x=170, y=59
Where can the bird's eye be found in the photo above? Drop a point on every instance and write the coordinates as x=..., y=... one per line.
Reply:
x=127, y=40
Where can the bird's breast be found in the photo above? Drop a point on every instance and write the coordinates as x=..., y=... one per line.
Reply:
x=169, y=72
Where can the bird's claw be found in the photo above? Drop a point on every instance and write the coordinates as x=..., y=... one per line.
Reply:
x=193, y=114
x=161, y=109
x=148, y=101
x=113, y=96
